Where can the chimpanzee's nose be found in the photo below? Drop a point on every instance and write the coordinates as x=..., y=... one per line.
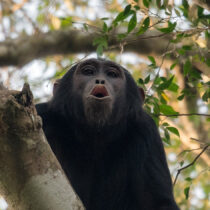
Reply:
x=100, y=81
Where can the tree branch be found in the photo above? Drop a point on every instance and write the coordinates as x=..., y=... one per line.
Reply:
x=31, y=177
x=203, y=3
x=179, y=115
x=24, y=49
x=190, y=164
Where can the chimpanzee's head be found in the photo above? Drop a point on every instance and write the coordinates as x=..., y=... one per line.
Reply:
x=98, y=92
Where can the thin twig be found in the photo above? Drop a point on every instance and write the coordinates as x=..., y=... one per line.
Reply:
x=189, y=150
x=190, y=31
x=194, y=139
x=190, y=164
x=178, y=115
x=163, y=58
x=35, y=26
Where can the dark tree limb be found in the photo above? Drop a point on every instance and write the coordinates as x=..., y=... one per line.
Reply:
x=21, y=51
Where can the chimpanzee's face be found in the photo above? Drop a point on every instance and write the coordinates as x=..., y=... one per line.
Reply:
x=100, y=84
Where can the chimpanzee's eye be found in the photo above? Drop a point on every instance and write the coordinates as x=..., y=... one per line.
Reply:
x=112, y=73
x=88, y=70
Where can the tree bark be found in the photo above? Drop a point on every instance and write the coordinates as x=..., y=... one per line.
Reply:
x=24, y=49
x=30, y=175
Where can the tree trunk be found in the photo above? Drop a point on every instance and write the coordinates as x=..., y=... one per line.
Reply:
x=30, y=175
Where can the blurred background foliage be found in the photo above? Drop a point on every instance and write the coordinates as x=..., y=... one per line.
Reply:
x=163, y=43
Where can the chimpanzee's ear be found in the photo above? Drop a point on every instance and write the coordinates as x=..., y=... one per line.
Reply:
x=55, y=86
x=141, y=91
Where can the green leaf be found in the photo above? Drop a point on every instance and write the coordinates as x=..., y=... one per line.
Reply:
x=165, y=124
x=185, y=4
x=187, y=47
x=119, y=17
x=182, y=162
x=156, y=119
x=85, y=26
x=166, y=141
x=146, y=3
x=173, y=130
x=173, y=65
x=121, y=36
x=207, y=35
x=110, y=28
x=151, y=58
x=181, y=51
x=167, y=110
x=187, y=67
x=102, y=40
x=181, y=97
x=195, y=74
x=147, y=79
x=40, y=18
x=162, y=99
x=99, y=50
x=170, y=28
x=144, y=26
x=66, y=22
x=157, y=81
x=173, y=87
x=123, y=15
x=132, y=23
x=105, y=27
x=140, y=81
x=163, y=79
x=186, y=192
x=167, y=136
x=166, y=84
x=127, y=10
x=208, y=61
x=101, y=43
x=206, y=95
x=156, y=109
x=184, y=7
x=105, y=18
x=189, y=179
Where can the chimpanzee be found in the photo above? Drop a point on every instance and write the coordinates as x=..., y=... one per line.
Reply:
x=109, y=148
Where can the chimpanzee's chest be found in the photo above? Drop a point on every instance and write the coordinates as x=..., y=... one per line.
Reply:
x=100, y=183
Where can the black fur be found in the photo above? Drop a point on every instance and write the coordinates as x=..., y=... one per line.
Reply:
x=121, y=166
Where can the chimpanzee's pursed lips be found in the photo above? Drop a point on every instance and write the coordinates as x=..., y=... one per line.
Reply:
x=99, y=91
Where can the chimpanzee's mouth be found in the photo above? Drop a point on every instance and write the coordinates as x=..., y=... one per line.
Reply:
x=99, y=91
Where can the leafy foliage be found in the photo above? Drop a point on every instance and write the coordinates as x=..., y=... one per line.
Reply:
x=174, y=72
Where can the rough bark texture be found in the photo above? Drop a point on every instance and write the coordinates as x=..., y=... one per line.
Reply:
x=30, y=176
